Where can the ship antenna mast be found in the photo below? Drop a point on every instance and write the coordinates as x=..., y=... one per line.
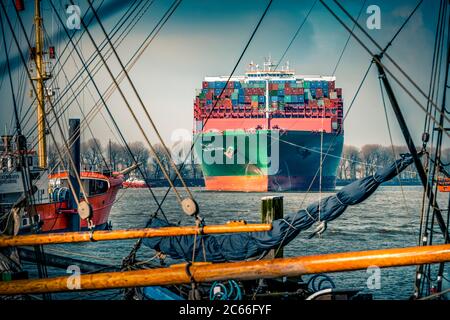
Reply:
x=41, y=77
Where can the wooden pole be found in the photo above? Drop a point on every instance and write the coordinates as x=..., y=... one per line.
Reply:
x=249, y=270
x=272, y=209
x=101, y=235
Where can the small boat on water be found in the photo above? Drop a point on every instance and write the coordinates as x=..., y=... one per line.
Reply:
x=134, y=182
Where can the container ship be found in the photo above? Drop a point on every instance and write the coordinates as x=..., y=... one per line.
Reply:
x=269, y=130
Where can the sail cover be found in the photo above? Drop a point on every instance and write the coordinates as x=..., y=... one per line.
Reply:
x=245, y=246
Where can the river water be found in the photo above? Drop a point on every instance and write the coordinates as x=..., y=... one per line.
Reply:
x=389, y=218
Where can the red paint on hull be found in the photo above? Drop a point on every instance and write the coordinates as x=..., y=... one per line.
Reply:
x=237, y=183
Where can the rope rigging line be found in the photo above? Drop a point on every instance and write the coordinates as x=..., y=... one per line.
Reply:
x=351, y=104
x=425, y=237
x=435, y=68
x=91, y=114
x=406, y=207
x=437, y=153
x=123, y=95
x=35, y=92
x=56, y=75
x=296, y=34
x=138, y=53
x=79, y=75
x=348, y=39
x=96, y=68
x=83, y=116
x=149, y=118
x=401, y=27
x=221, y=93
x=26, y=177
x=135, y=57
x=96, y=108
x=78, y=40
x=382, y=51
x=377, y=60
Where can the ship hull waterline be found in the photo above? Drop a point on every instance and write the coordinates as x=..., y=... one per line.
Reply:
x=269, y=160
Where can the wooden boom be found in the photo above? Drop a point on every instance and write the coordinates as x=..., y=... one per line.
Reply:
x=102, y=235
x=206, y=272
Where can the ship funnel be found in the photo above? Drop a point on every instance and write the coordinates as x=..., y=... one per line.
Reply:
x=6, y=143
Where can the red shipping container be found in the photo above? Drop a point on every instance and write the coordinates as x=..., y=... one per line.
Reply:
x=230, y=85
x=330, y=85
x=339, y=91
x=227, y=103
x=205, y=84
x=247, y=99
x=288, y=90
x=287, y=85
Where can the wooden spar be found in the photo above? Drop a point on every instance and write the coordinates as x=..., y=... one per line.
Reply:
x=102, y=235
x=248, y=270
x=62, y=262
x=271, y=209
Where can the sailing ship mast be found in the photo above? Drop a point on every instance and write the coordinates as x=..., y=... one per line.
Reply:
x=41, y=76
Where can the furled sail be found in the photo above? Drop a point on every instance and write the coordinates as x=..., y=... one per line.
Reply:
x=244, y=246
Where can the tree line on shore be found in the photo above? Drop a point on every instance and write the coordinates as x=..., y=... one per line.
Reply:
x=355, y=162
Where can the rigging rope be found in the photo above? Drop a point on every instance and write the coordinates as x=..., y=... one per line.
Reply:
x=144, y=175
x=26, y=176
x=392, y=145
x=35, y=91
x=352, y=101
x=91, y=114
x=92, y=59
x=348, y=39
x=97, y=146
x=221, y=93
x=408, y=92
x=426, y=233
x=296, y=34
x=127, y=103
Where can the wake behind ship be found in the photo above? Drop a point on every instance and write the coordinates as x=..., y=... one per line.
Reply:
x=269, y=130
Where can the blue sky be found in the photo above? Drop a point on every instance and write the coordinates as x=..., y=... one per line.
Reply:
x=205, y=38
